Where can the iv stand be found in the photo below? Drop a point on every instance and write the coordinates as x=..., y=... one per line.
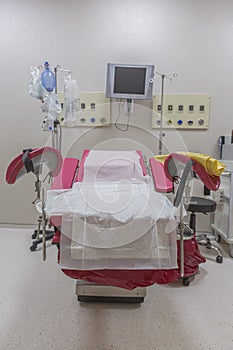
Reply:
x=56, y=143
x=163, y=77
x=56, y=140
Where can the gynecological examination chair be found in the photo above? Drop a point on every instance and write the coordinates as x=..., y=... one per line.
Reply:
x=115, y=233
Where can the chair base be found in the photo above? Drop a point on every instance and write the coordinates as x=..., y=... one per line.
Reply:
x=203, y=240
x=48, y=236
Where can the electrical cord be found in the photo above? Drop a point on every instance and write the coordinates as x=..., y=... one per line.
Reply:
x=120, y=104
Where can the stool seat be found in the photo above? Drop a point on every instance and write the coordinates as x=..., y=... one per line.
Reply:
x=200, y=205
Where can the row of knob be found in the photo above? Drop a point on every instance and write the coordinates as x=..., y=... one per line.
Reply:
x=93, y=120
x=180, y=122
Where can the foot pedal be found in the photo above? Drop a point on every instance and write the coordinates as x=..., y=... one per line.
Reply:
x=98, y=293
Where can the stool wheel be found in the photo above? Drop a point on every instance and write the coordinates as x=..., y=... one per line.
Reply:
x=33, y=247
x=219, y=259
x=186, y=281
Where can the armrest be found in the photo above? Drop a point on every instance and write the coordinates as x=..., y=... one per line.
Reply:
x=66, y=176
x=161, y=182
x=63, y=181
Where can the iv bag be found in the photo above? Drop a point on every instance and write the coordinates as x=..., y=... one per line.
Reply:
x=36, y=88
x=51, y=105
x=71, y=101
x=54, y=105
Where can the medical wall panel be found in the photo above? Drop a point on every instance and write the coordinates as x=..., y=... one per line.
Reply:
x=94, y=109
x=181, y=111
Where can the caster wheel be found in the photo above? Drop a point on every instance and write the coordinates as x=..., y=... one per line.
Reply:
x=33, y=248
x=186, y=282
x=219, y=259
x=34, y=235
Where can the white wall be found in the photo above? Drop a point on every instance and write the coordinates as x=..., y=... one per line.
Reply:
x=192, y=37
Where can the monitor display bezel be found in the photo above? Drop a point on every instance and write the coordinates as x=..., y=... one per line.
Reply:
x=148, y=87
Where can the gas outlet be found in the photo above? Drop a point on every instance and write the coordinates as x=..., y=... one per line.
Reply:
x=190, y=122
x=201, y=121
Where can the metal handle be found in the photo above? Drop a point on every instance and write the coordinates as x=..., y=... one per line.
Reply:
x=44, y=224
x=181, y=242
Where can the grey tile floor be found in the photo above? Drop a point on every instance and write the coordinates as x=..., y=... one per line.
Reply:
x=39, y=308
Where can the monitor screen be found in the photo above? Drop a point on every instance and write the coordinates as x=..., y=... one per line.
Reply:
x=129, y=81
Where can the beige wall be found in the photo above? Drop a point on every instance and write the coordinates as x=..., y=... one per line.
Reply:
x=193, y=38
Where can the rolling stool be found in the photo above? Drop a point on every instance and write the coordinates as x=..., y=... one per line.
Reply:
x=204, y=206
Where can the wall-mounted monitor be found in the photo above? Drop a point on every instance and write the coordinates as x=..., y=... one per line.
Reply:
x=129, y=81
